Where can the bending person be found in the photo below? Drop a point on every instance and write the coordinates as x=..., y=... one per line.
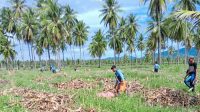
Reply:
x=120, y=84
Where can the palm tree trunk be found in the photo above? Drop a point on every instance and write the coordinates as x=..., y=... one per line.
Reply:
x=185, y=43
x=80, y=57
x=114, y=46
x=40, y=61
x=49, y=55
x=178, y=54
x=135, y=57
x=63, y=54
x=185, y=54
x=141, y=57
x=153, y=57
x=131, y=59
x=99, y=62
x=29, y=53
x=71, y=52
x=74, y=56
x=7, y=64
x=159, y=42
x=118, y=59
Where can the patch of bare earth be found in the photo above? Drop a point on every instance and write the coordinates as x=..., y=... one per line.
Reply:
x=44, y=102
x=3, y=82
x=74, y=84
x=170, y=97
x=110, y=92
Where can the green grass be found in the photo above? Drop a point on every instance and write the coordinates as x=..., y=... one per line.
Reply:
x=169, y=76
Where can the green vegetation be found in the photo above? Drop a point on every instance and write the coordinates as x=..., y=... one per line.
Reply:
x=169, y=76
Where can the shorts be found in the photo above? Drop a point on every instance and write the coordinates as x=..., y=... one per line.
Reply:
x=155, y=70
x=121, y=87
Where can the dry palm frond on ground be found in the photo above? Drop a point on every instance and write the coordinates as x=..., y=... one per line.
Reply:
x=170, y=97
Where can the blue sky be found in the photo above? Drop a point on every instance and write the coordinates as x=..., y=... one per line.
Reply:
x=88, y=11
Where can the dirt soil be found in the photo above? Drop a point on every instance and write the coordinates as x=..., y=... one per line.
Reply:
x=3, y=82
x=43, y=102
x=74, y=84
x=170, y=97
x=109, y=91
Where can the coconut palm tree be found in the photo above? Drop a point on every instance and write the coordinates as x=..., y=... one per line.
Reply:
x=189, y=5
x=132, y=29
x=197, y=44
x=140, y=44
x=70, y=21
x=177, y=31
x=39, y=50
x=28, y=29
x=156, y=10
x=157, y=31
x=80, y=33
x=98, y=46
x=188, y=44
x=171, y=51
x=6, y=49
x=123, y=33
x=63, y=48
x=45, y=37
x=110, y=16
x=8, y=21
x=52, y=12
x=131, y=48
x=152, y=45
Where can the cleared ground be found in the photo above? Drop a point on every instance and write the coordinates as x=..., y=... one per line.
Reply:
x=68, y=90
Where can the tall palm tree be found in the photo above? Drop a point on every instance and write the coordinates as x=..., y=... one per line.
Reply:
x=52, y=12
x=39, y=50
x=98, y=46
x=158, y=32
x=70, y=21
x=152, y=45
x=188, y=44
x=63, y=48
x=80, y=34
x=117, y=43
x=123, y=33
x=6, y=49
x=140, y=44
x=110, y=16
x=29, y=29
x=197, y=44
x=8, y=21
x=189, y=5
x=156, y=10
x=131, y=49
x=177, y=31
x=45, y=37
x=132, y=29
x=18, y=8
x=171, y=51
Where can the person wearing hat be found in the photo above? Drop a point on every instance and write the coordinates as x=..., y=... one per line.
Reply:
x=120, y=84
x=191, y=75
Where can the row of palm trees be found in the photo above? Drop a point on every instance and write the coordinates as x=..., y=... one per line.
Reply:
x=54, y=28
x=48, y=26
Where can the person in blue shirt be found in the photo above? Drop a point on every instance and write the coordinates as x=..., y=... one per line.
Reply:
x=156, y=67
x=120, y=84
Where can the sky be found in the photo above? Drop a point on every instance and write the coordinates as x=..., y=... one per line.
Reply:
x=89, y=11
